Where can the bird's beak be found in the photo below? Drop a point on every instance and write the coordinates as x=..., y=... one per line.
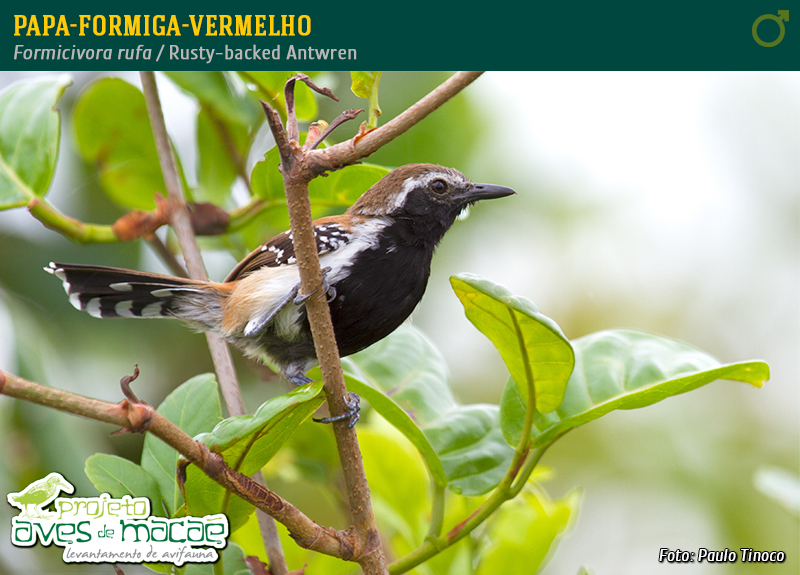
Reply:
x=486, y=192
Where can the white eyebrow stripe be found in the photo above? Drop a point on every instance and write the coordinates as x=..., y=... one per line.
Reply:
x=400, y=197
x=422, y=180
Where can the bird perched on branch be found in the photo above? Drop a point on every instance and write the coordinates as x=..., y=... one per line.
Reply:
x=376, y=260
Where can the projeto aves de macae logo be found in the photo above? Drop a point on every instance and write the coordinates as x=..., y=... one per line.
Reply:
x=783, y=16
x=108, y=530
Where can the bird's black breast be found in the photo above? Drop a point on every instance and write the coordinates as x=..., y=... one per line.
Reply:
x=382, y=288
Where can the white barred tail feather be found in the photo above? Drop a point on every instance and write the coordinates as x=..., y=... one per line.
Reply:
x=108, y=292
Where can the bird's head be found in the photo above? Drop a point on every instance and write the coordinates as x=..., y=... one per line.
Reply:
x=428, y=196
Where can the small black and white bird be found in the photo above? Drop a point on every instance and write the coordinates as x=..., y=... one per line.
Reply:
x=376, y=258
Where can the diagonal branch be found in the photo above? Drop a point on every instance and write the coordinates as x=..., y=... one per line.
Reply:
x=133, y=415
x=345, y=153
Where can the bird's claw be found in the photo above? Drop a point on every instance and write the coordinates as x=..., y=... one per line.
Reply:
x=299, y=380
x=353, y=413
x=327, y=289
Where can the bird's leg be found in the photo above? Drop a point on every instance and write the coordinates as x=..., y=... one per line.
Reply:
x=326, y=289
x=353, y=413
x=257, y=325
x=295, y=373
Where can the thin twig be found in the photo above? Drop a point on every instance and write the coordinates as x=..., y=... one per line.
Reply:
x=180, y=220
x=345, y=153
x=167, y=256
x=292, y=131
x=340, y=119
x=71, y=228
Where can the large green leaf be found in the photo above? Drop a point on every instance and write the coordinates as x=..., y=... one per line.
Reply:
x=113, y=132
x=213, y=91
x=331, y=194
x=466, y=439
x=30, y=129
x=340, y=189
x=626, y=369
x=194, y=407
x=221, y=155
x=247, y=443
x=266, y=177
x=226, y=124
x=532, y=345
x=117, y=477
x=396, y=481
x=403, y=422
x=524, y=530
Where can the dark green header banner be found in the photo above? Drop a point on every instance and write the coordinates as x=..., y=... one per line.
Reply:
x=397, y=36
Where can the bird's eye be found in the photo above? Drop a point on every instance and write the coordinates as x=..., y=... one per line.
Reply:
x=438, y=187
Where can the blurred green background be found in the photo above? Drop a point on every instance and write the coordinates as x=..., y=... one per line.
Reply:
x=666, y=202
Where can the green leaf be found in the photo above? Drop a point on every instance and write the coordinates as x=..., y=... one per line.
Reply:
x=266, y=177
x=232, y=563
x=194, y=407
x=247, y=443
x=339, y=189
x=269, y=87
x=365, y=85
x=226, y=124
x=466, y=439
x=250, y=441
x=113, y=132
x=30, y=129
x=396, y=480
x=221, y=147
x=533, y=347
x=213, y=91
x=333, y=194
x=522, y=533
x=343, y=187
x=117, y=477
x=627, y=369
x=392, y=412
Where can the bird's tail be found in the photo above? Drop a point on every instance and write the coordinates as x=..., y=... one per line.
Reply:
x=106, y=292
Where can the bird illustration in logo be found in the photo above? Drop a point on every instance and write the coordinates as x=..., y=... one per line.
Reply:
x=35, y=496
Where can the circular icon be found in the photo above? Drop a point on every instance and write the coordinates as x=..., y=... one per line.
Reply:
x=782, y=15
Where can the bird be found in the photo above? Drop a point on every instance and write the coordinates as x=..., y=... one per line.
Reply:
x=375, y=258
x=35, y=496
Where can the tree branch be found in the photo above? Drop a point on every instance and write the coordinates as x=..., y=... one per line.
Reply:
x=180, y=220
x=71, y=228
x=299, y=166
x=345, y=153
x=136, y=416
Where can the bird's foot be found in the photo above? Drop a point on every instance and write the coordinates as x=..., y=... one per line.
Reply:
x=353, y=413
x=327, y=289
x=299, y=380
x=296, y=372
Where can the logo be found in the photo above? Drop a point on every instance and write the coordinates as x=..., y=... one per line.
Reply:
x=783, y=16
x=107, y=530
